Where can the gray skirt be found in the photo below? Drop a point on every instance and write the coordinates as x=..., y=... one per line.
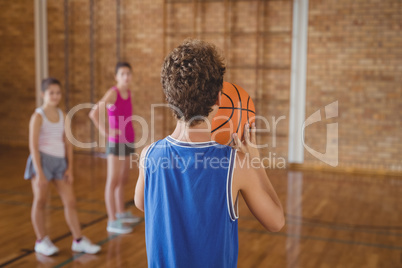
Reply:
x=53, y=167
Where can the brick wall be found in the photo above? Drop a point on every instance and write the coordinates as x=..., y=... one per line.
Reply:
x=255, y=38
x=141, y=28
x=17, y=65
x=257, y=50
x=355, y=57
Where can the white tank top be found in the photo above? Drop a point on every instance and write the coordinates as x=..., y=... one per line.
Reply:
x=51, y=135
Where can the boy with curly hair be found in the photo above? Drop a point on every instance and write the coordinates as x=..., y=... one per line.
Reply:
x=188, y=184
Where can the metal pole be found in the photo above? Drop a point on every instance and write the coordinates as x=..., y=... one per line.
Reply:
x=41, y=55
x=66, y=56
x=91, y=61
x=118, y=14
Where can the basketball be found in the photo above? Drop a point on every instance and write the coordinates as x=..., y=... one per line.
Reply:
x=236, y=109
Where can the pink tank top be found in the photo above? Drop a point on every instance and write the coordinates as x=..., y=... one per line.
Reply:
x=120, y=117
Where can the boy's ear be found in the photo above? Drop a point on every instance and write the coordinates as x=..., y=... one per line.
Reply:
x=218, y=101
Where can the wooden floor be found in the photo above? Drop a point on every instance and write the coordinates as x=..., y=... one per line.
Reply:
x=333, y=220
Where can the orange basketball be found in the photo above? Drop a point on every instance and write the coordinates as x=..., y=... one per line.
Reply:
x=236, y=109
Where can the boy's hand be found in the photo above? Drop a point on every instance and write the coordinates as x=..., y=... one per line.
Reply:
x=68, y=176
x=249, y=145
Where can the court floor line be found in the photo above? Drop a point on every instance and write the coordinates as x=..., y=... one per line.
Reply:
x=12, y=192
x=330, y=226
x=84, y=200
x=25, y=204
x=342, y=228
x=288, y=221
x=322, y=222
x=304, y=219
x=312, y=220
x=28, y=252
x=78, y=255
x=246, y=230
x=349, y=242
x=308, y=237
x=130, y=203
x=100, y=243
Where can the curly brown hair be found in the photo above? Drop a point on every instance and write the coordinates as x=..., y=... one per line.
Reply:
x=192, y=77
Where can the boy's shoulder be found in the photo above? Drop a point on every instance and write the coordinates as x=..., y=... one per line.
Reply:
x=149, y=147
x=157, y=147
x=156, y=144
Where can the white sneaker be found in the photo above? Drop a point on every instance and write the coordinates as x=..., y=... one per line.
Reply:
x=86, y=246
x=46, y=247
x=117, y=226
x=128, y=217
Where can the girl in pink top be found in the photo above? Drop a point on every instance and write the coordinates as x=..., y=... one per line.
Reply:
x=119, y=115
x=120, y=133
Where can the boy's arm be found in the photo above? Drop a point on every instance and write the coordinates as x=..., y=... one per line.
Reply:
x=139, y=188
x=99, y=121
x=252, y=181
x=68, y=174
x=34, y=131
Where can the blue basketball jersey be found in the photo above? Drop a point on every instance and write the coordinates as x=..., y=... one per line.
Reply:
x=190, y=218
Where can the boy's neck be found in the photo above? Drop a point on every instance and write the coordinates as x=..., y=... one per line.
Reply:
x=197, y=133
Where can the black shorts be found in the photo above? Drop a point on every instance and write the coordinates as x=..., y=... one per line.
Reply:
x=120, y=149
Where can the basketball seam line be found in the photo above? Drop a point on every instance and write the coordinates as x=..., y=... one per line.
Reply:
x=228, y=118
x=241, y=105
x=248, y=101
x=247, y=110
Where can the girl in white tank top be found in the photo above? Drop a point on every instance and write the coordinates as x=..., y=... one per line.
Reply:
x=51, y=135
x=51, y=161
